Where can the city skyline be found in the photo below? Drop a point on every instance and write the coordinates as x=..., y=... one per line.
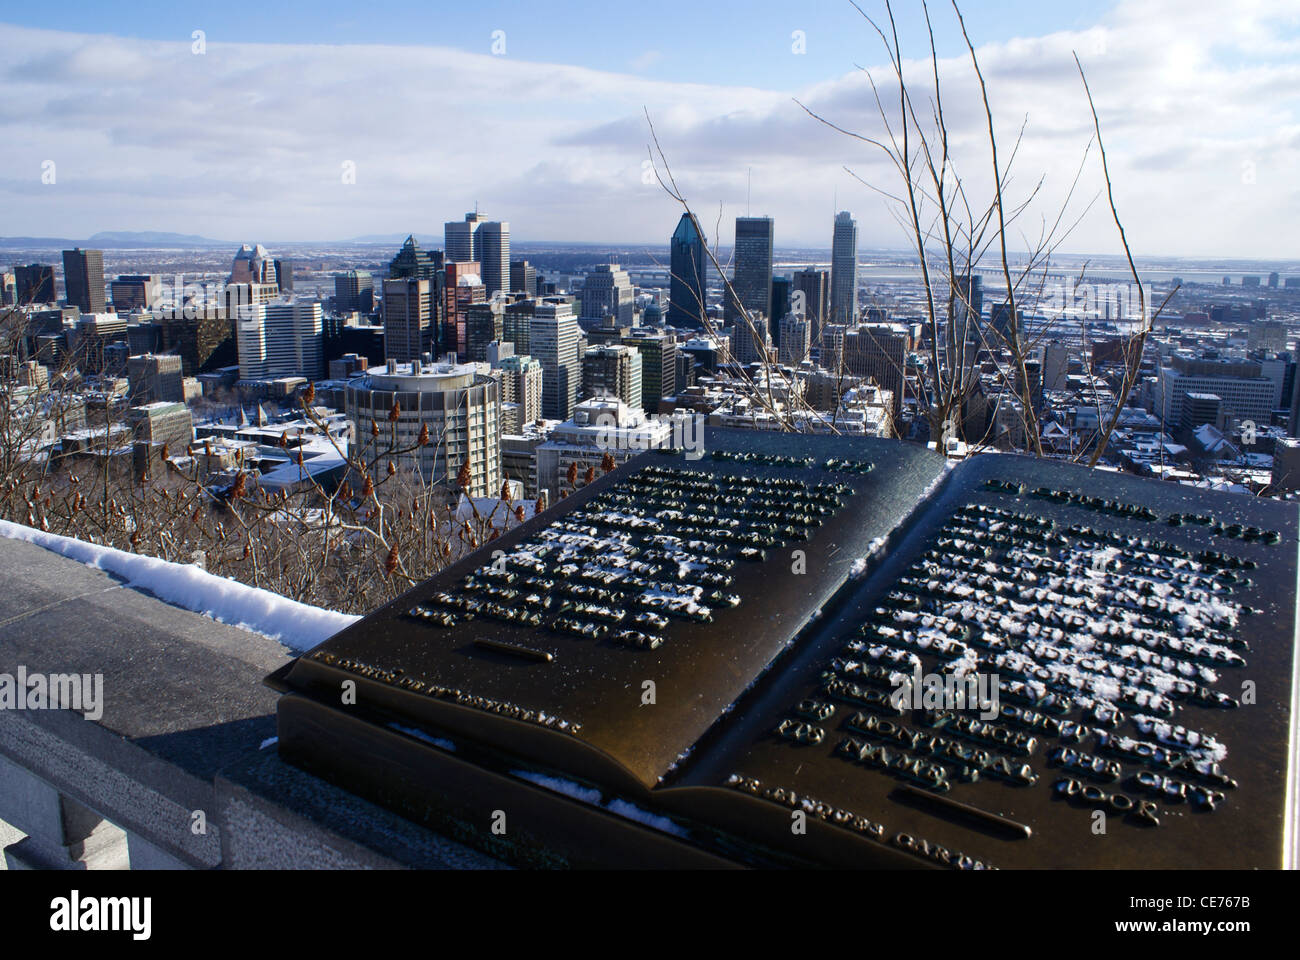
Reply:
x=254, y=139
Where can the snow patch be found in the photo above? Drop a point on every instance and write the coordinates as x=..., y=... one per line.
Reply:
x=296, y=625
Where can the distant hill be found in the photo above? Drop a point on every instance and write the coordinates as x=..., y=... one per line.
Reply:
x=115, y=240
x=151, y=238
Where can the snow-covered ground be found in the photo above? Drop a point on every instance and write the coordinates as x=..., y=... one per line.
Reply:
x=296, y=625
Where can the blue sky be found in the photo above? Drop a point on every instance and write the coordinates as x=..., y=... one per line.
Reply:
x=252, y=140
x=707, y=41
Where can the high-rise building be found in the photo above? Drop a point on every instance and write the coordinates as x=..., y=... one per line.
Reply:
x=688, y=282
x=483, y=326
x=658, y=366
x=844, y=269
x=612, y=370
x=481, y=241
x=83, y=279
x=810, y=298
x=781, y=290
x=521, y=384
x=34, y=283
x=1000, y=320
x=8, y=288
x=463, y=285
x=553, y=340
x=523, y=278
x=204, y=338
x=133, y=292
x=160, y=422
x=411, y=261
x=751, y=342
x=607, y=292
x=408, y=311
x=752, y=281
x=796, y=340
x=515, y=323
x=252, y=264
x=284, y=276
x=94, y=333
x=494, y=257
x=282, y=338
x=459, y=407
x=1239, y=385
x=460, y=238
x=878, y=351
x=354, y=290
x=155, y=377
x=968, y=300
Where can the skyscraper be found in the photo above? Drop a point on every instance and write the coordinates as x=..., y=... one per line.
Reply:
x=688, y=283
x=607, y=292
x=553, y=340
x=781, y=288
x=34, y=283
x=133, y=291
x=252, y=264
x=284, y=276
x=463, y=285
x=968, y=299
x=483, y=326
x=83, y=279
x=878, y=351
x=844, y=269
x=411, y=261
x=408, y=331
x=354, y=290
x=809, y=298
x=459, y=408
x=658, y=365
x=521, y=383
x=751, y=342
x=283, y=338
x=523, y=278
x=485, y=242
x=460, y=238
x=795, y=340
x=612, y=370
x=494, y=257
x=752, y=281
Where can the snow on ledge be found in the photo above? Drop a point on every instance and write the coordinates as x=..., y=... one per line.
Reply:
x=296, y=625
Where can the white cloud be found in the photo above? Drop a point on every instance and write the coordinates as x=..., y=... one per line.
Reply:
x=248, y=140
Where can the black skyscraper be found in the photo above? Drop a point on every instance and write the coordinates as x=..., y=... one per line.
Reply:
x=753, y=277
x=686, y=290
x=83, y=279
x=34, y=283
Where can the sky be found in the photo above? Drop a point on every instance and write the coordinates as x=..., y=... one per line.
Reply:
x=334, y=120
